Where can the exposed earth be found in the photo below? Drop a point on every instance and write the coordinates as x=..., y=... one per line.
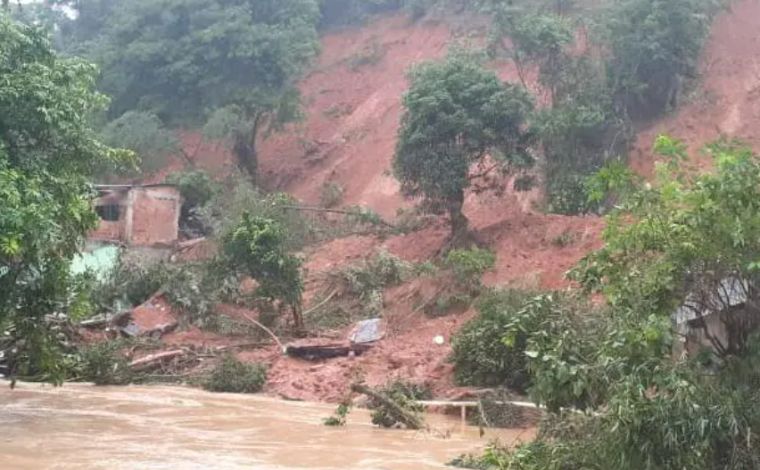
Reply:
x=352, y=101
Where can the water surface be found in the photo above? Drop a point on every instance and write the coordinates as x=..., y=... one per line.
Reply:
x=147, y=427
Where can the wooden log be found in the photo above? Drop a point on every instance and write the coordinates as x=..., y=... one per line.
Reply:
x=408, y=419
x=325, y=351
x=155, y=360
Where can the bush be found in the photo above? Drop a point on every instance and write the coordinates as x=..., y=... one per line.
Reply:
x=131, y=284
x=197, y=189
x=331, y=194
x=469, y=265
x=339, y=417
x=479, y=354
x=341, y=13
x=234, y=376
x=196, y=186
x=226, y=209
x=403, y=393
x=368, y=279
x=103, y=364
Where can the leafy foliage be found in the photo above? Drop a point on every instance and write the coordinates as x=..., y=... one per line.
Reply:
x=666, y=243
x=341, y=13
x=145, y=135
x=654, y=46
x=690, y=234
x=480, y=356
x=233, y=376
x=339, y=418
x=256, y=247
x=47, y=150
x=226, y=209
x=104, y=364
x=404, y=394
x=368, y=279
x=469, y=265
x=198, y=189
x=186, y=60
x=458, y=115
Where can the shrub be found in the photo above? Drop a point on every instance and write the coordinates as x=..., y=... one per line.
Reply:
x=104, y=364
x=233, y=376
x=196, y=186
x=131, y=284
x=367, y=280
x=404, y=394
x=331, y=194
x=469, y=265
x=197, y=189
x=339, y=418
x=479, y=354
x=226, y=209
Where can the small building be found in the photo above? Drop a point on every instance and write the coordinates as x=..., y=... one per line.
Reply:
x=711, y=317
x=138, y=215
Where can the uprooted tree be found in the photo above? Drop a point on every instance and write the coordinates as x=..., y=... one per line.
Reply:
x=461, y=129
x=47, y=151
x=255, y=247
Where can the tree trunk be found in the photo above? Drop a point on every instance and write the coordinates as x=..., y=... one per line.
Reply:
x=298, y=324
x=459, y=223
x=245, y=151
x=245, y=147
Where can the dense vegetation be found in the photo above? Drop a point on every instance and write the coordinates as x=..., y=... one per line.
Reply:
x=47, y=151
x=669, y=244
x=681, y=250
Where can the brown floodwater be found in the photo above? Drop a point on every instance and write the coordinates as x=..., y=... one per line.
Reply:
x=152, y=427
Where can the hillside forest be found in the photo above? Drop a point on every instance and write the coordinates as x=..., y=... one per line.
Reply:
x=553, y=201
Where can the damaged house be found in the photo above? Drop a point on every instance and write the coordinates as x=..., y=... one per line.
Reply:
x=138, y=215
x=720, y=315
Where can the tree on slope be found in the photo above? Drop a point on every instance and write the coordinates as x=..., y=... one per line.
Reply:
x=255, y=246
x=462, y=128
x=47, y=149
x=231, y=63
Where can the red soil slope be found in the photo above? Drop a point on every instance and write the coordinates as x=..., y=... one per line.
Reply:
x=349, y=135
x=352, y=107
x=727, y=102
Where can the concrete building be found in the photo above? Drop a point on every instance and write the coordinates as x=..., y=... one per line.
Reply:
x=138, y=215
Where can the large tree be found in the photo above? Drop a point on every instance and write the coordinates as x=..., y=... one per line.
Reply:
x=47, y=150
x=188, y=61
x=462, y=126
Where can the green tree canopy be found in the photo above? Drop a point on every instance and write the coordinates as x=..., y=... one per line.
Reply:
x=47, y=149
x=461, y=127
x=256, y=247
x=654, y=45
x=144, y=134
x=187, y=60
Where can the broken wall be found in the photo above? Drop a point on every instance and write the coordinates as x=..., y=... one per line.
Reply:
x=153, y=216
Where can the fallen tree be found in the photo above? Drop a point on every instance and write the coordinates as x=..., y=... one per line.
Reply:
x=408, y=418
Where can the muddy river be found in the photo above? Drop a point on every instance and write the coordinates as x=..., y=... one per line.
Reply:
x=141, y=427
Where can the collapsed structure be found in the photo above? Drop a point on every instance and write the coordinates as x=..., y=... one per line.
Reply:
x=138, y=215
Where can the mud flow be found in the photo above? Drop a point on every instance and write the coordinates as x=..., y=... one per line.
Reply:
x=85, y=427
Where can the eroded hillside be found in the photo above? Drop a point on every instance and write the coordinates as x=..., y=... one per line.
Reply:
x=352, y=102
